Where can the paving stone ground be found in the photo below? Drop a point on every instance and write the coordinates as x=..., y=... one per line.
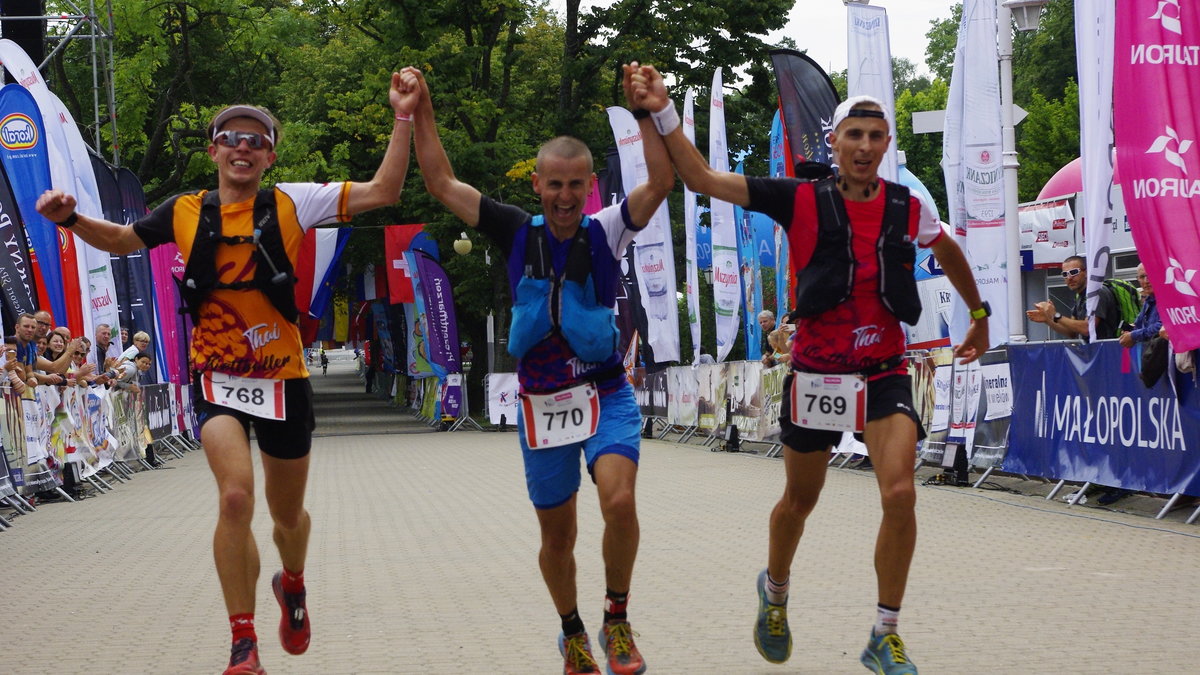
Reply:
x=423, y=560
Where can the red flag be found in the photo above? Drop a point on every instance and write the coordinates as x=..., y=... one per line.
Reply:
x=396, y=240
x=304, y=272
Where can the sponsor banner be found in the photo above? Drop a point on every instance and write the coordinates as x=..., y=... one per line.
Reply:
x=1157, y=72
x=933, y=328
x=1048, y=231
x=450, y=399
x=171, y=340
x=992, y=396
x=503, y=397
x=727, y=295
x=709, y=377
x=783, y=270
x=7, y=489
x=438, y=302
x=807, y=98
x=657, y=383
x=128, y=426
x=653, y=252
x=870, y=67
x=751, y=278
x=159, y=411
x=771, y=390
x=18, y=290
x=972, y=161
x=418, y=364
x=1086, y=416
x=1094, y=58
x=692, y=282
x=681, y=396
x=23, y=154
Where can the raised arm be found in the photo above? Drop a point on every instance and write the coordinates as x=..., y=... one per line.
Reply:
x=958, y=271
x=645, y=199
x=384, y=188
x=58, y=206
x=440, y=181
x=650, y=92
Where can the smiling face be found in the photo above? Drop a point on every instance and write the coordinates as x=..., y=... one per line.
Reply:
x=564, y=184
x=57, y=343
x=859, y=145
x=242, y=166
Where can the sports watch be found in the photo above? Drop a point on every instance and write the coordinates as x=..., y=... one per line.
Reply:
x=984, y=311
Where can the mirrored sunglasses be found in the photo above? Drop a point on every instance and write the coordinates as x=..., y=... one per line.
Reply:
x=1072, y=273
x=233, y=138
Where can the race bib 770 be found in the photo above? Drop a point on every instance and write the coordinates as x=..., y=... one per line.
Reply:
x=560, y=418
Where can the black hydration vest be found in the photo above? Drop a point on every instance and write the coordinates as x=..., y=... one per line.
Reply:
x=200, y=274
x=827, y=279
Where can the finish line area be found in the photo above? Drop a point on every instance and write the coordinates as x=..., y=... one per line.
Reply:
x=423, y=559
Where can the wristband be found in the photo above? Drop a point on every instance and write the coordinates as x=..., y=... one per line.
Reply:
x=403, y=117
x=640, y=113
x=667, y=119
x=71, y=220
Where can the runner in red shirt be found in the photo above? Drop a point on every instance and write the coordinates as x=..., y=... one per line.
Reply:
x=860, y=335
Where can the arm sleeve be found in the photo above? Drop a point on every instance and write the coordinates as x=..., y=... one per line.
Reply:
x=619, y=229
x=318, y=203
x=775, y=197
x=499, y=222
x=158, y=226
x=929, y=223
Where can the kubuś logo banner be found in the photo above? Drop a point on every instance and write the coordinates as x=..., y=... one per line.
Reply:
x=1157, y=72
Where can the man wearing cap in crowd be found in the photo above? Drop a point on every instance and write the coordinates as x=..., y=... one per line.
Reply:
x=241, y=245
x=850, y=301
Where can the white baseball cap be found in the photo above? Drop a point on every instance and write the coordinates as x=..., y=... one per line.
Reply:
x=844, y=108
x=254, y=112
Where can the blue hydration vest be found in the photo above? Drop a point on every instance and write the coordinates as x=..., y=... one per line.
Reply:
x=546, y=303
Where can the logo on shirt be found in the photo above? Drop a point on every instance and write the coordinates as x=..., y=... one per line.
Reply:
x=866, y=336
x=260, y=336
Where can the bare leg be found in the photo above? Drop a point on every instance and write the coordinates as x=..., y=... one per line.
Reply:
x=805, y=479
x=284, y=481
x=557, y=555
x=616, y=476
x=234, y=550
x=892, y=443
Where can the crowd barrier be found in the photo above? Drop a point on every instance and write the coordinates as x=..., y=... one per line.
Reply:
x=1059, y=411
x=88, y=432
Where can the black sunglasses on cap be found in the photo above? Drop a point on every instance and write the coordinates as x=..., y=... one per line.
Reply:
x=1072, y=273
x=232, y=139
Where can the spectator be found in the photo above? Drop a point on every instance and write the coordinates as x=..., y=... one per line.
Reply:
x=55, y=347
x=1075, y=325
x=80, y=372
x=105, y=347
x=44, y=323
x=141, y=343
x=766, y=321
x=38, y=370
x=1148, y=324
x=124, y=375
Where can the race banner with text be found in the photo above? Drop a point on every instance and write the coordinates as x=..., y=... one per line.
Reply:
x=692, y=281
x=727, y=290
x=783, y=269
x=1086, y=416
x=869, y=69
x=1157, y=72
x=807, y=98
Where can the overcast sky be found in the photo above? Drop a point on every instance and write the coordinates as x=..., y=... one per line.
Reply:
x=820, y=27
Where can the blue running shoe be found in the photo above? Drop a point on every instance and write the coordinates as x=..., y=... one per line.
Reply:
x=576, y=651
x=772, y=636
x=885, y=655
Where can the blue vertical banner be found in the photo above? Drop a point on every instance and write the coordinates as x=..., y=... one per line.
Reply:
x=751, y=275
x=783, y=270
x=26, y=160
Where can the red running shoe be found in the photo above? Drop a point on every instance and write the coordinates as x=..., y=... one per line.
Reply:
x=294, y=628
x=244, y=659
x=577, y=654
x=623, y=656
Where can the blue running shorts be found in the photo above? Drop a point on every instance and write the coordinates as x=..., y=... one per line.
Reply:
x=552, y=475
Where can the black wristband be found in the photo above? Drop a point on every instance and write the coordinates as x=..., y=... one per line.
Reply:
x=640, y=113
x=71, y=220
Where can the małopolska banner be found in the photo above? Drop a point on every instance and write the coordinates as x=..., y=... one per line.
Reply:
x=1094, y=60
x=783, y=268
x=1086, y=416
x=442, y=326
x=652, y=250
x=692, y=281
x=972, y=161
x=808, y=98
x=869, y=55
x=727, y=291
x=16, y=276
x=1157, y=71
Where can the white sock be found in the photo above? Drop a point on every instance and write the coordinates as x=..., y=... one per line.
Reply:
x=886, y=619
x=777, y=593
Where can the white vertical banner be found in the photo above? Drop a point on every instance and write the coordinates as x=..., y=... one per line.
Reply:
x=727, y=287
x=692, y=282
x=1095, y=28
x=652, y=250
x=869, y=68
x=974, y=168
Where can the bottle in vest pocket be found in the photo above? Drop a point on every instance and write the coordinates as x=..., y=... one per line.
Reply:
x=560, y=418
x=831, y=402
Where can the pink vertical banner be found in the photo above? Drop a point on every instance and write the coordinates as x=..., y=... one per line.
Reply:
x=1156, y=82
x=166, y=265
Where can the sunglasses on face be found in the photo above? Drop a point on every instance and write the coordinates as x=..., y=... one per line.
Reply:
x=1072, y=273
x=43, y=323
x=232, y=139
x=82, y=354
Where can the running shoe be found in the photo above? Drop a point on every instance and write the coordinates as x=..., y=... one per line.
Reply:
x=294, y=628
x=772, y=636
x=885, y=655
x=623, y=657
x=243, y=660
x=577, y=654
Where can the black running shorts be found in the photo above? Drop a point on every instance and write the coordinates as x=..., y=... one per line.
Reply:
x=290, y=438
x=885, y=396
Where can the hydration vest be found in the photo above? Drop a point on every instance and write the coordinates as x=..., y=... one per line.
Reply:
x=200, y=274
x=827, y=279
x=545, y=303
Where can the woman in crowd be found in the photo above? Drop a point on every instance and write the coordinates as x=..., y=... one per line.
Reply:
x=55, y=346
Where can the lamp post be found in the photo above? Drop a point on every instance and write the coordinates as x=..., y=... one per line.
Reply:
x=1027, y=13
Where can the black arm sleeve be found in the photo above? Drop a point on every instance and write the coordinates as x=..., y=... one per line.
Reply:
x=499, y=222
x=158, y=226
x=775, y=197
